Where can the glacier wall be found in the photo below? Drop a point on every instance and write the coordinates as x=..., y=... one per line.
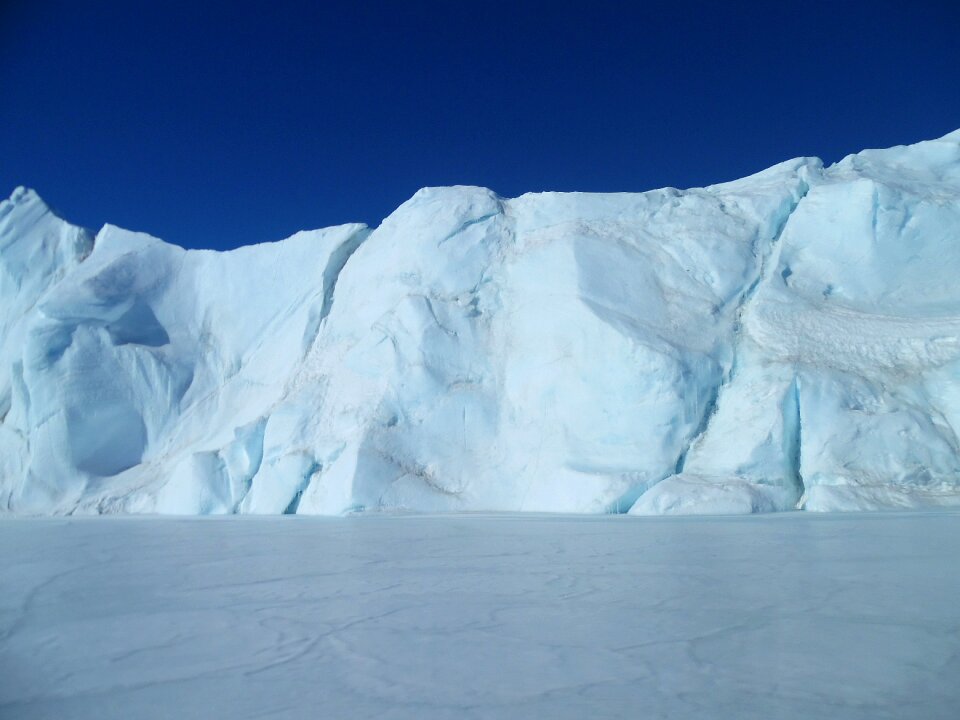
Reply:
x=791, y=339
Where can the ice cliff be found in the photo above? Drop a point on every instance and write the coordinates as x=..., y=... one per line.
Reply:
x=791, y=339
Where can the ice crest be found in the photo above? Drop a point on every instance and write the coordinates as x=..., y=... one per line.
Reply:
x=790, y=339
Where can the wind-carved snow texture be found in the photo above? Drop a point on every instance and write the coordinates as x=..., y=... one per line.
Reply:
x=791, y=339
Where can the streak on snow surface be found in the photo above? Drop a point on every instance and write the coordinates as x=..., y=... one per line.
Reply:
x=791, y=616
x=791, y=339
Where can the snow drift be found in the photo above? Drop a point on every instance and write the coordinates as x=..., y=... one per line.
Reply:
x=787, y=340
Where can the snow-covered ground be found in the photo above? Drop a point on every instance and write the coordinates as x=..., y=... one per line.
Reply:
x=794, y=615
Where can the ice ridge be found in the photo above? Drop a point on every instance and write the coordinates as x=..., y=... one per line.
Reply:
x=790, y=339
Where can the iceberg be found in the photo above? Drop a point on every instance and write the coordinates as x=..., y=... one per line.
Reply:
x=787, y=340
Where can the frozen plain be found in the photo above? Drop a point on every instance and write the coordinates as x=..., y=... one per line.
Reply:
x=782, y=616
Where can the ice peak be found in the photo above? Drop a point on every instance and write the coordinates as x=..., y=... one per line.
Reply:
x=23, y=195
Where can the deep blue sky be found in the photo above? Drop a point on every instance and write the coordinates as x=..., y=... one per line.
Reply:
x=216, y=125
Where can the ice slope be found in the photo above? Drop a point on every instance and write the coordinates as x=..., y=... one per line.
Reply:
x=844, y=393
x=789, y=338
x=145, y=366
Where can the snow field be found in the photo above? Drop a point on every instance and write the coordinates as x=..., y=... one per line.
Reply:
x=787, y=616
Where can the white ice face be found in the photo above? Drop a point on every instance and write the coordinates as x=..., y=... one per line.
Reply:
x=792, y=338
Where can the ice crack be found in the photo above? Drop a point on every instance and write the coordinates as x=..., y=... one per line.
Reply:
x=766, y=266
x=331, y=274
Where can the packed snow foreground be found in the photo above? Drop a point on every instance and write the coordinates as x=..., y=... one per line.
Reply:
x=787, y=340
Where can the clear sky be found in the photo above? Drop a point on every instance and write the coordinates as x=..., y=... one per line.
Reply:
x=222, y=124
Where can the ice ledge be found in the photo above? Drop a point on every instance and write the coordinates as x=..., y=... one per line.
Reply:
x=689, y=494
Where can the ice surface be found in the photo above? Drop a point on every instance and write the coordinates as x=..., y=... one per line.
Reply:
x=787, y=616
x=791, y=339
